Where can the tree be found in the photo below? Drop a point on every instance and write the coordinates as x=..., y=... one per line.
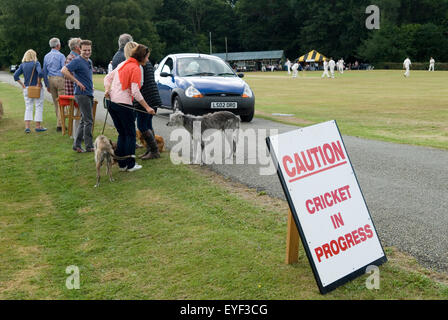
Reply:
x=102, y=22
x=268, y=25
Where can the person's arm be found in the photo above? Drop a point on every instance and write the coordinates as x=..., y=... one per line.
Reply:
x=62, y=59
x=135, y=91
x=39, y=74
x=17, y=76
x=108, y=83
x=45, y=74
x=67, y=74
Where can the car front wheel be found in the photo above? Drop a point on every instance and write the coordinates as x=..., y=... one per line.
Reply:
x=177, y=104
x=248, y=117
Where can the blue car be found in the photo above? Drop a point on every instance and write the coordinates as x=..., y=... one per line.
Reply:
x=198, y=84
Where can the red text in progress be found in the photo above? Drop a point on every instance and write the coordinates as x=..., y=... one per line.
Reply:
x=343, y=243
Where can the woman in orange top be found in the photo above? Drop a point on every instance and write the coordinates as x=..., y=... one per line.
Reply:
x=122, y=87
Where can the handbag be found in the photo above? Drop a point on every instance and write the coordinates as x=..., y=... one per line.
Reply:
x=33, y=91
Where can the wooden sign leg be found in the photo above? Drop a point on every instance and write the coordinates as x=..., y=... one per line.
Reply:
x=292, y=241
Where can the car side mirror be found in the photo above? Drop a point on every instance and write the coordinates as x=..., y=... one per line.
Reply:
x=165, y=74
x=241, y=75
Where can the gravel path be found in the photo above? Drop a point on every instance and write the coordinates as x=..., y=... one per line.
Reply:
x=405, y=187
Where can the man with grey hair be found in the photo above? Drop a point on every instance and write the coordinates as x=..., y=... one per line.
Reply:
x=119, y=55
x=54, y=81
x=75, y=47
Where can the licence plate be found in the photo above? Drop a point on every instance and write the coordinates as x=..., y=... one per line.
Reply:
x=224, y=105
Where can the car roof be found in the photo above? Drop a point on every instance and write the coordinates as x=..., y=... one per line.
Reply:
x=193, y=55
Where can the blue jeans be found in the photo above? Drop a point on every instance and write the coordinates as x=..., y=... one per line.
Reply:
x=124, y=121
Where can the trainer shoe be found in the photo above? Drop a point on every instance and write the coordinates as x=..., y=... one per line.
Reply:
x=135, y=168
x=79, y=150
x=41, y=129
x=27, y=130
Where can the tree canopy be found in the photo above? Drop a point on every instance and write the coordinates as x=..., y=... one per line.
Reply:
x=415, y=28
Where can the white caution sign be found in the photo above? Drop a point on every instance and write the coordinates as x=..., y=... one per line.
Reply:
x=328, y=206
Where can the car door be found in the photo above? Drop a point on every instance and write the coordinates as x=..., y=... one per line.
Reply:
x=166, y=84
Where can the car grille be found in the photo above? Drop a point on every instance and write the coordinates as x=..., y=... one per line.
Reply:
x=222, y=95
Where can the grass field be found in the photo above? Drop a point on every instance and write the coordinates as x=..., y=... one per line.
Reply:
x=380, y=104
x=164, y=232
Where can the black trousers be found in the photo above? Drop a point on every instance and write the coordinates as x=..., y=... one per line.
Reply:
x=124, y=121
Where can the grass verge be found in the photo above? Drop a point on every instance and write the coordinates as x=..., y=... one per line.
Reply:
x=164, y=232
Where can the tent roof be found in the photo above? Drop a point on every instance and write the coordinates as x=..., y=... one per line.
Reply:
x=312, y=56
x=254, y=55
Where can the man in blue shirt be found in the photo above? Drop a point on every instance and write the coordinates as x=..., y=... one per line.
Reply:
x=80, y=71
x=53, y=63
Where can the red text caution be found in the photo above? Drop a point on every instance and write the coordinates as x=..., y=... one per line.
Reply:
x=314, y=160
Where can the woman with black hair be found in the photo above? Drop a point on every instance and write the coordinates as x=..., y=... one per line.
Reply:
x=151, y=95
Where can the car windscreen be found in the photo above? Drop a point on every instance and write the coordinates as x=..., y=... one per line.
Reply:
x=196, y=66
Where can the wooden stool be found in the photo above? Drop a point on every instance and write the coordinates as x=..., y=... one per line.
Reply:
x=67, y=105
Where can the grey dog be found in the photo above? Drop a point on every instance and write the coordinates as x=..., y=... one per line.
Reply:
x=222, y=120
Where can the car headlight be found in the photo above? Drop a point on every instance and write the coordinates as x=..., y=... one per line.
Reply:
x=192, y=92
x=247, y=92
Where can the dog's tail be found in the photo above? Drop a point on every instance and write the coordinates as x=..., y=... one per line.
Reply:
x=122, y=158
x=112, y=153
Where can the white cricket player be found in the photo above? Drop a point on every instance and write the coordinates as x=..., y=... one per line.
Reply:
x=295, y=68
x=406, y=65
x=325, y=69
x=332, y=65
x=288, y=65
x=341, y=66
x=432, y=62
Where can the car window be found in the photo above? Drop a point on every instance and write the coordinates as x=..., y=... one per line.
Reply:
x=168, y=66
x=200, y=66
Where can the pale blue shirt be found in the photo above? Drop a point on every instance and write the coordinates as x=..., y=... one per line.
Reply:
x=54, y=61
